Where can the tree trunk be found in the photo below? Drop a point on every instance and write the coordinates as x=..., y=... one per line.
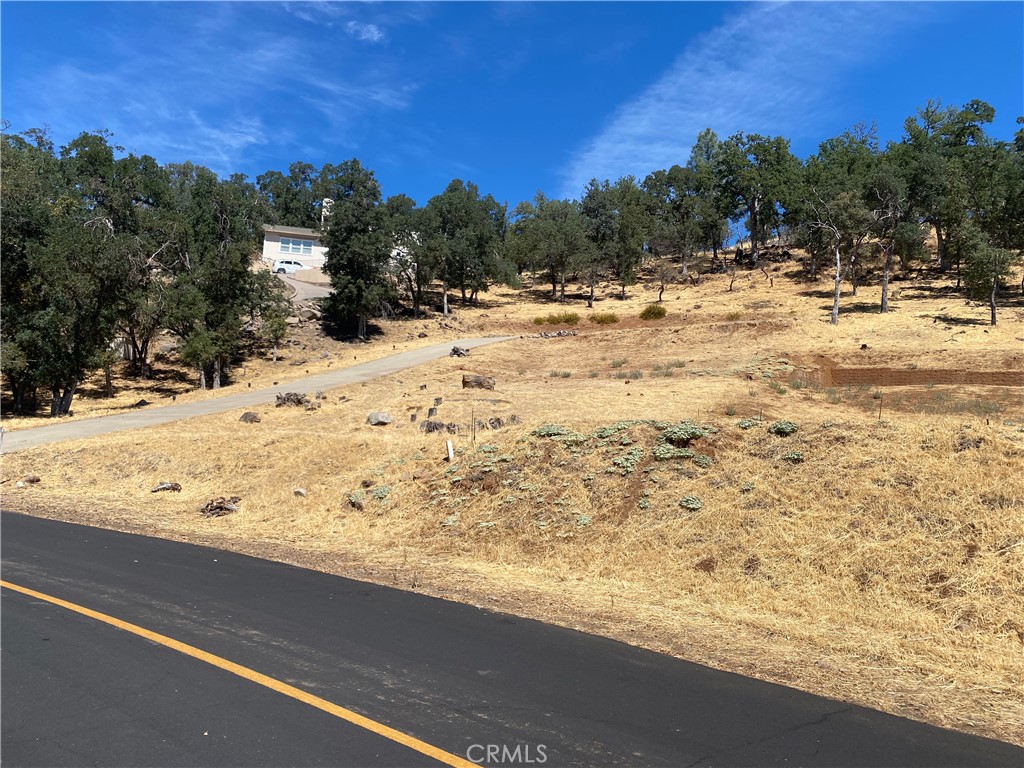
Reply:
x=554, y=284
x=992, y=299
x=755, y=208
x=561, y=295
x=216, y=373
x=838, y=282
x=885, y=278
x=273, y=354
x=108, y=381
x=853, y=275
x=590, y=298
x=943, y=251
x=202, y=377
x=60, y=403
x=361, y=330
x=444, y=298
x=623, y=294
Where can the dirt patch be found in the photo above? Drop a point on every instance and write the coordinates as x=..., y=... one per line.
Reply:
x=907, y=377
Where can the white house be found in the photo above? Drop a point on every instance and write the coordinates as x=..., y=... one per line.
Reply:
x=296, y=243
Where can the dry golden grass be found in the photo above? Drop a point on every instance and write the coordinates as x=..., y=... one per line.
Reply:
x=886, y=569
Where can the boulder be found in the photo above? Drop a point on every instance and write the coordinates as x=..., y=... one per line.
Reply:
x=379, y=418
x=474, y=381
x=291, y=398
x=310, y=314
x=250, y=418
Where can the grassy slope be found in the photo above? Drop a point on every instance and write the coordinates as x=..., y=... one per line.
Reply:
x=886, y=569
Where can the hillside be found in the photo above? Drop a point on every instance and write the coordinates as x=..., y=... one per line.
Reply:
x=632, y=480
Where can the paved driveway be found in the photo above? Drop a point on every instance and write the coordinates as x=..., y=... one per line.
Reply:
x=76, y=430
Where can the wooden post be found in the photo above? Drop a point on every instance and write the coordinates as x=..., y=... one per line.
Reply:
x=451, y=450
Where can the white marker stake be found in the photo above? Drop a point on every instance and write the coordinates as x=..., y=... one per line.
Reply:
x=451, y=450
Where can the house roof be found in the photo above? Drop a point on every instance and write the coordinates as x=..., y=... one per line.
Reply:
x=282, y=230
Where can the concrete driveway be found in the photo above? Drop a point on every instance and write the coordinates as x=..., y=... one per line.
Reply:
x=76, y=430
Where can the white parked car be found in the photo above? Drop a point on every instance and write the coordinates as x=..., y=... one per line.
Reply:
x=287, y=266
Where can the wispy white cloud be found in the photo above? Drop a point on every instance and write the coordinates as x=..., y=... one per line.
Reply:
x=369, y=33
x=200, y=99
x=770, y=69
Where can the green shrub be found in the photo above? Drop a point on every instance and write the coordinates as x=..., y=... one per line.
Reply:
x=653, y=312
x=604, y=318
x=681, y=434
x=692, y=503
x=783, y=428
x=561, y=374
x=551, y=430
x=730, y=410
x=381, y=492
x=633, y=375
x=618, y=362
x=793, y=457
x=703, y=461
x=776, y=387
x=558, y=318
x=734, y=315
x=748, y=423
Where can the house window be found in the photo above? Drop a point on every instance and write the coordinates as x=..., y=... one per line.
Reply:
x=291, y=245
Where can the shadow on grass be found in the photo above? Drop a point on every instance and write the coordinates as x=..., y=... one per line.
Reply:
x=963, y=321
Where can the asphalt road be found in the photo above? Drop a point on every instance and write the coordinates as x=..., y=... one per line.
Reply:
x=75, y=430
x=77, y=691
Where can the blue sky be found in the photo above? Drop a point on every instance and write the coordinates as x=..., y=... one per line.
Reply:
x=515, y=97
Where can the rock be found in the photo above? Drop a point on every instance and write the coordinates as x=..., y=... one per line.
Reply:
x=439, y=426
x=379, y=418
x=459, y=352
x=495, y=423
x=300, y=492
x=292, y=320
x=366, y=483
x=412, y=417
x=30, y=479
x=249, y=417
x=140, y=404
x=303, y=361
x=423, y=386
x=474, y=381
x=438, y=400
x=310, y=314
x=421, y=474
x=421, y=335
x=431, y=413
x=314, y=406
x=220, y=506
x=356, y=501
x=405, y=477
x=165, y=486
x=291, y=398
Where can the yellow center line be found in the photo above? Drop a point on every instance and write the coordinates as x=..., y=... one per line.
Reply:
x=249, y=674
